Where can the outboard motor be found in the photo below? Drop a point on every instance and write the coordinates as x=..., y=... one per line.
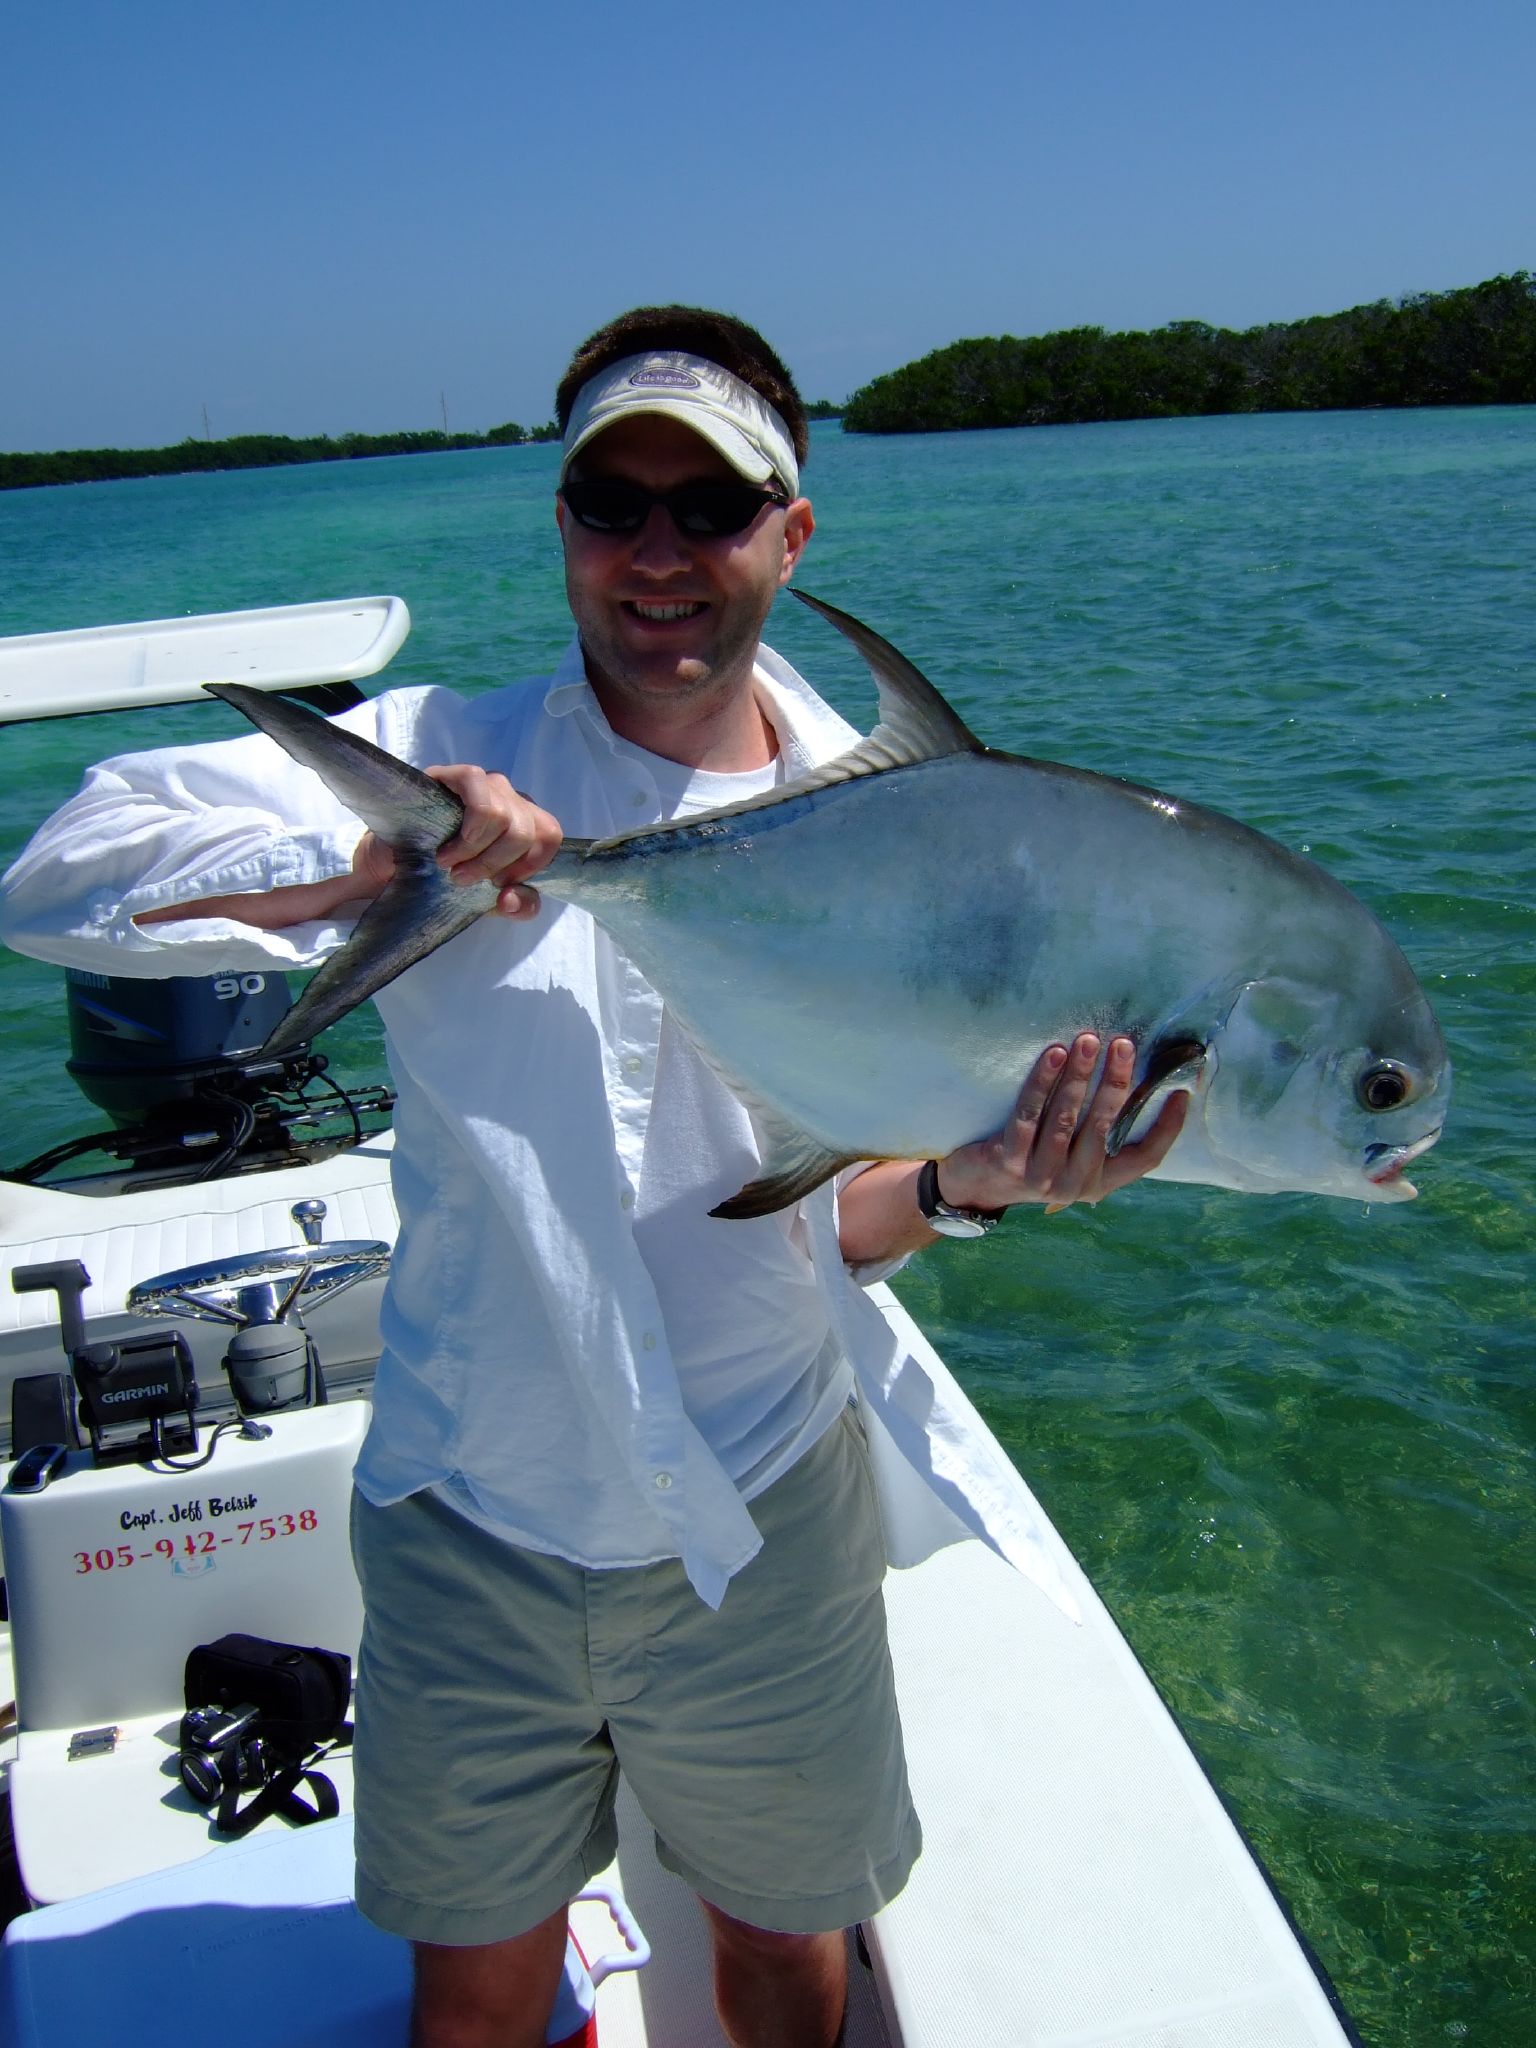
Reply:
x=139, y=1046
x=176, y=1063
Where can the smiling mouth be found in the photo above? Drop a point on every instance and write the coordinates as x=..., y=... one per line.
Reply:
x=663, y=614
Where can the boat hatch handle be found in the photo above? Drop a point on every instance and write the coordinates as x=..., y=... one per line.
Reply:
x=37, y=1468
x=211, y=1293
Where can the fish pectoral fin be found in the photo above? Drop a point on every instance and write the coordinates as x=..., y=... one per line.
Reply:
x=916, y=722
x=403, y=806
x=795, y=1166
x=1171, y=1063
x=418, y=911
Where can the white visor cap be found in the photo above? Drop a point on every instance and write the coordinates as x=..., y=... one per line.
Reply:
x=718, y=407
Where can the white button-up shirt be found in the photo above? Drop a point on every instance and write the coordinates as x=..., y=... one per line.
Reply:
x=573, y=1348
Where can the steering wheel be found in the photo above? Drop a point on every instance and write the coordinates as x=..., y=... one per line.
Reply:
x=212, y=1292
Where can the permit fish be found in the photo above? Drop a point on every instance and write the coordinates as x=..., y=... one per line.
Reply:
x=874, y=955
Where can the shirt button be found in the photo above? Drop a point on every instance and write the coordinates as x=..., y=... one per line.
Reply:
x=639, y=798
x=663, y=1481
x=649, y=1341
x=627, y=1199
x=633, y=1064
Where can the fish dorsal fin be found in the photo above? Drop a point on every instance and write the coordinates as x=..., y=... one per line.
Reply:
x=916, y=724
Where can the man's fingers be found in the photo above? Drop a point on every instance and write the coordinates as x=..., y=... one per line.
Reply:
x=1038, y=1083
x=518, y=902
x=1134, y=1160
x=503, y=835
x=1039, y=1141
x=1109, y=1099
x=1081, y=1174
x=1054, y=1149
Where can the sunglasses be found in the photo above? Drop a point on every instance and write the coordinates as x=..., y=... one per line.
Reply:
x=703, y=511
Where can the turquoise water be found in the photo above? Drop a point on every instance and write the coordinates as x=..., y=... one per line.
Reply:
x=1290, y=1438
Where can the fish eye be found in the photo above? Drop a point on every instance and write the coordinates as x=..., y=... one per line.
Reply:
x=1384, y=1085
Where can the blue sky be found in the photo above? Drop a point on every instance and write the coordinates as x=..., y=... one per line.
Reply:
x=318, y=217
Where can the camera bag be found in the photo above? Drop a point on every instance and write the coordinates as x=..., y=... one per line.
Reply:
x=301, y=1696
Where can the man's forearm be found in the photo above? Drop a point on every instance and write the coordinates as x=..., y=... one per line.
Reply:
x=270, y=910
x=878, y=1216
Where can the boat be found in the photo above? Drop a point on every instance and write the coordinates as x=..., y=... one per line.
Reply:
x=1082, y=1883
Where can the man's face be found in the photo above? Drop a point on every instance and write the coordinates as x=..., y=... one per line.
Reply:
x=669, y=621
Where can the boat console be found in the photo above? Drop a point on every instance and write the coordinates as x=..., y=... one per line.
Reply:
x=134, y=1533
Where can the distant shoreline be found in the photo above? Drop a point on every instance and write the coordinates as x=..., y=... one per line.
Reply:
x=1473, y=346
x=268, y=451
x=244, y=451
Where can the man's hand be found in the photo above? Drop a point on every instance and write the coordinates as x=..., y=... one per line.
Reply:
x=1052, y=1149
x=504, y=838
x=1051, y=1153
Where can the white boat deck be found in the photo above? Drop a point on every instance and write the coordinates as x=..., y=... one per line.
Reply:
x=1081, y=1885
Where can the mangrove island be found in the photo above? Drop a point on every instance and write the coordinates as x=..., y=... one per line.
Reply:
x=1474, y=346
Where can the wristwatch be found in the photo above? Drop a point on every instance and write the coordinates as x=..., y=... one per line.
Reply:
x=943, y=1216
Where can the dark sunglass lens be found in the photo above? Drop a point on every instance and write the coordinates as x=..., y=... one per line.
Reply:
x=713, y=510
x=704, y=511
x=608, y=507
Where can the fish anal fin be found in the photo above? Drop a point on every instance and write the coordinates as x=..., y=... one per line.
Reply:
x=1171, y=1060
x=418, y=910
x=797, y=1164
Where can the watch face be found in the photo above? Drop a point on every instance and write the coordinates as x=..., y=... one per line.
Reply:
x=938, y=1214
x=949, y=1223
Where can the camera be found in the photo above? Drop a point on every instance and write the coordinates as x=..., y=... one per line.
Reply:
x=221, y=1749
x=259, y=1716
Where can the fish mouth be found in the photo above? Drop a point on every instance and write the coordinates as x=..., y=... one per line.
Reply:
x=1384, y=1165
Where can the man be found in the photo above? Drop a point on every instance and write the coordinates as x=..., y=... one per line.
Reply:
x=615, y=1506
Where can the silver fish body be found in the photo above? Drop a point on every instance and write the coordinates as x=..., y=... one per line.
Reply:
x=874, y=958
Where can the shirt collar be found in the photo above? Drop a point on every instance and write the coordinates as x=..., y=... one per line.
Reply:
x=808, y=729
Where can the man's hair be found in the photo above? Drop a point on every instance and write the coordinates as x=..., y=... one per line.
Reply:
x=697, y=331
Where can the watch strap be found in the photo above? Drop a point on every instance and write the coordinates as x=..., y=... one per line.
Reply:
x=947, y=1218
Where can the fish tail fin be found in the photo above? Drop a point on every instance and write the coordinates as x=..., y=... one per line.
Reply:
x=396, y=801
x=419, y=910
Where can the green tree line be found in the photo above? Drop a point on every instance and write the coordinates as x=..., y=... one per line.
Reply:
x=244, y=451
x=1474, y=346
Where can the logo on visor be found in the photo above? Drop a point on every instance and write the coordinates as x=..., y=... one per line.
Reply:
x=681, y=380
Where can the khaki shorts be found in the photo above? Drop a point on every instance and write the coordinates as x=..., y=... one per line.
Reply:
x=500, y=1691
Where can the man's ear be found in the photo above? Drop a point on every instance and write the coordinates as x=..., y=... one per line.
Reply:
x=799, y=525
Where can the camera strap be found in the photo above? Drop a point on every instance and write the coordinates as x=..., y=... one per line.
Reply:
x=281, y=1796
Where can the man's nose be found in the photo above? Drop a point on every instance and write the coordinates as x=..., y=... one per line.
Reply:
x=659, y=545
